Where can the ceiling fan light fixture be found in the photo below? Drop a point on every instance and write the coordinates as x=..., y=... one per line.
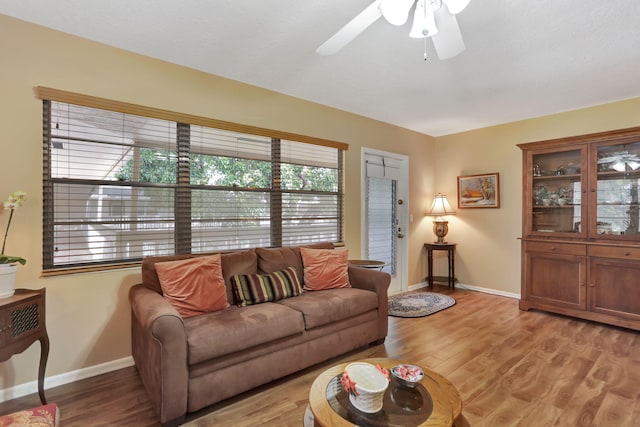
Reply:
x=430, y=20
x=424, y=21
x=396, y=12
x=456, y=6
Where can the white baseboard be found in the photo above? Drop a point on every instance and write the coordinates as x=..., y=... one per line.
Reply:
x=418, y=286
x=488, y=291
x=472, y=288
x=66, y=378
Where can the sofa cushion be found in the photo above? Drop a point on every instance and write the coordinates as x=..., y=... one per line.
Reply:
x=325, y=269
x=240, y=262
x=331, y=305
x=276, y=259
x=194, y=285
x=150, y=275
x=239, y=328
x=249, y=289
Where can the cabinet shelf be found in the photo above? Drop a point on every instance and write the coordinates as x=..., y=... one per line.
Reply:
x=618, y=175
x=546, y=231
x=567, y=206
x=574, y=177
x=629, y=205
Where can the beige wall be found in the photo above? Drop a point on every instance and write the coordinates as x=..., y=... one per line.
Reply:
x=488, y=249
x=88, y=314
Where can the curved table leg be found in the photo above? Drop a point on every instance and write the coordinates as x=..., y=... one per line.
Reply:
x=44, y=355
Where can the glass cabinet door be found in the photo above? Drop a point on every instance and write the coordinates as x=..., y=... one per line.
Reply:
x=617, y=182
x=557, y=192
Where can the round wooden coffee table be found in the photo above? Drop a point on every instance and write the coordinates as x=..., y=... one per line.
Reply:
x=435, y=402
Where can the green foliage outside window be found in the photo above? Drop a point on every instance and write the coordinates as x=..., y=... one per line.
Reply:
x=160, y=167
x=155, y=166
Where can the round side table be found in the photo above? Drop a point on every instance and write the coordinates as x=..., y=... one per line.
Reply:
x=367, y=263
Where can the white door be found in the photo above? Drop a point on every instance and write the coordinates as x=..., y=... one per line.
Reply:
x=384, y=207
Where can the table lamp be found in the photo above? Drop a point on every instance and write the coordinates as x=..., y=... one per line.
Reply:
x=439, y=208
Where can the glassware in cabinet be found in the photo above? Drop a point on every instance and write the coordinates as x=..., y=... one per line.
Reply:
x=556, y=205
x=617, y=189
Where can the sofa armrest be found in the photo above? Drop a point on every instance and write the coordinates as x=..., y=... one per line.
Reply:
x=378, y=282
x=159, y=348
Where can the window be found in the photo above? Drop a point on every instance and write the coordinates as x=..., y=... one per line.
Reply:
x=119, y=186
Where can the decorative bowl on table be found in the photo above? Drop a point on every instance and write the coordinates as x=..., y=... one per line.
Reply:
x=407, y=375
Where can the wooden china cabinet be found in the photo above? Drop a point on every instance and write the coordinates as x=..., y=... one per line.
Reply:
x=581, y=227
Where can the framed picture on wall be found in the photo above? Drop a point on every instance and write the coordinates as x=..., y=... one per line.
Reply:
x=479, y=191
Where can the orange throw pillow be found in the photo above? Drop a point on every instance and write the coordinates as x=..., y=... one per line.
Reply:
x=325, y=269
x=194, y=285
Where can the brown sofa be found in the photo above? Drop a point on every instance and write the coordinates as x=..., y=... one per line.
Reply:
x=188, y=364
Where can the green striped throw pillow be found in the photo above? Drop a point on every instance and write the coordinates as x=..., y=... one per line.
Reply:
x=250, y=289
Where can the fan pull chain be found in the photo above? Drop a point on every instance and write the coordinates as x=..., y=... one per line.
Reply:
x=425, y=48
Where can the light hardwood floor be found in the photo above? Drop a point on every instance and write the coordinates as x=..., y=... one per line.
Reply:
x=512, y=368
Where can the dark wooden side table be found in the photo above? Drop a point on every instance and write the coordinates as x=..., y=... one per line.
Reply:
x=22, y=322
x=451, y=252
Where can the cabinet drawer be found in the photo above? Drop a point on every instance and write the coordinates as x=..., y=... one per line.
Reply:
x=615, y=252
x=560, y=248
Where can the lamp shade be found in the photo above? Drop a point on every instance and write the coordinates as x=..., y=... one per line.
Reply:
x=440, y=206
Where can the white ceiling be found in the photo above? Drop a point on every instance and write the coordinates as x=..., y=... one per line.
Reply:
x=524, y=58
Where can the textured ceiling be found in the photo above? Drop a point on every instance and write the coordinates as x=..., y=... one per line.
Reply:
x=523, y=58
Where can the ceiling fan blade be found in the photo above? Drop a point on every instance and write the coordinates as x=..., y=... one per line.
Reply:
x=456, y=6
x=448, y=41
x=396, y=12
x=350, y=31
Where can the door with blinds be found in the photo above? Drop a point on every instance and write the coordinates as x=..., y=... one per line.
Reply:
x=385, y=177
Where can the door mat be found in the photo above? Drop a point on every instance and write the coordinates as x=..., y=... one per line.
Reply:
x=418, y=304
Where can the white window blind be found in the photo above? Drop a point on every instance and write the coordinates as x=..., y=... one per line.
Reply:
x=118, y=187
x=231, y=209
x=381, y=222
x=311, y=201
x=382, y=175
x=382, y=167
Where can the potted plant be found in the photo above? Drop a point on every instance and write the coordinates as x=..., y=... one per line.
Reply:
x=9, y=263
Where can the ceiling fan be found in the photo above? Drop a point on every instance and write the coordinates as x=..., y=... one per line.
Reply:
x=430, y=19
